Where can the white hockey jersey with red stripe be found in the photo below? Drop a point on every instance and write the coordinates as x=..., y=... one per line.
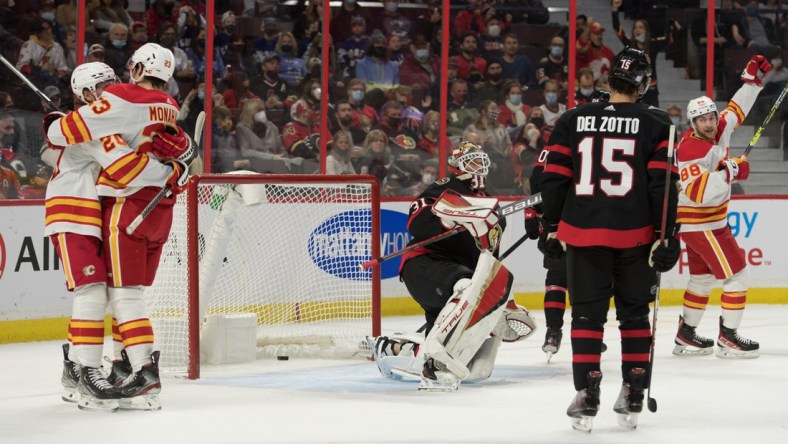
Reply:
x=705, y=192
x=125, y=114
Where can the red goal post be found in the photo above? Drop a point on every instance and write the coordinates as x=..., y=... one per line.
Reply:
x=282, y=249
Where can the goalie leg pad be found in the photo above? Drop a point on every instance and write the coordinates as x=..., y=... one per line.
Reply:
x=469, y=317
x=481, y=366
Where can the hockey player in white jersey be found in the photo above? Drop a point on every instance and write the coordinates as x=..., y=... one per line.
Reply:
x=707, y=172
x=137, y=115
x=73, y=220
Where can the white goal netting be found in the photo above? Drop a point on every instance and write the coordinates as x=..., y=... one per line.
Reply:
x=286, y=251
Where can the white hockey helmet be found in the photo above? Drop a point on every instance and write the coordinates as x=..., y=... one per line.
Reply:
x=700, y=106
x=469, y=158
x=157, y=62
x=88, y=76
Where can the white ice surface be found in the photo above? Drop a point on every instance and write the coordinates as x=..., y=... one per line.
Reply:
x=700, y=399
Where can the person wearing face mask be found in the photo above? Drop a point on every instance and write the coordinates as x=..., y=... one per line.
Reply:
x=677, y=119
x=268, y=41
x=223, y=39
x=292, y=68
x=363, y=115
x=492, y=41
x=255, y=136
x=491, y=88
x=585, y=86
x=167, y=37
x=192, y=105
x=493, y=136
x=429, y=142
x=461, y=113
x=513, y=112
x=641, y=38
x=195, y=54
x=224, y=156
x=268, y=83
x=375, y=69
x=393, y=22
x=551, y=109
x=116, y=49
x=554, y=65
x=391, y=118
x=470, y=19
x=338, y=158
x=420, y=66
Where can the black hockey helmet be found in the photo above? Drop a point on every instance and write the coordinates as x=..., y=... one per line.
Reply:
x=633, y=67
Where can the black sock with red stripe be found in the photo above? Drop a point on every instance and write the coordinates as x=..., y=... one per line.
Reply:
x=635, y=346
x=586, y=349
x=554, y=306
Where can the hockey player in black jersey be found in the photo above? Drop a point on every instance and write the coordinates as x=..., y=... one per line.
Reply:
x=603, y=187
x=464, y=290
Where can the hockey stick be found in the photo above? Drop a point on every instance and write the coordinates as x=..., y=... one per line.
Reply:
x=166, y=190
x=652, y=403
x=514, y=246
x=30, y=84
x=504, y=211
x=765, y=122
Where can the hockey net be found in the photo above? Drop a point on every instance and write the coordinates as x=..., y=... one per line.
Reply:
x=286, y=248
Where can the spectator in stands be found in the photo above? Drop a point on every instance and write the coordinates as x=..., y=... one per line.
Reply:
x=238, y=91
x=53, y=93
x=391, y=118
x=494, y=137
x=641, y=38
x=139, y=36
x=70, y=47
x=554, y=65
x=36, y=186
x=342, y=121
x=727, y=30
x=420, y=67
x=759, y=32
x=190, y=21
x=428, y=173
x=110, y=12
x=376, y=157
x=41, y=57
x=392, y=22
x=374, y=68
x=461, y=113
x=225, y=156
x=363, y=115
x=257, y=138
x=467, y=60
x=676, y=118
x=551, y=109
x=275, y=111
x=168, y=37
x=311, y=34
x=268, y=41
x=351, y=50
x=526, y=147
x=513, y=112
x=116, y=52
x=491, y=88
x=338, y=158
x=492, y=43
x=527, y=11
x=300, y=136
x=773, y=83
x=196, y=56
x=66, y=13
x=585, y=86
x=191, y=107
x=222, y=43
x=6, y=101
x=350, y=14
x=591, y=52
x=9, y=182
x=11, y=153
x=517, y=66
x=429, y=142
x=160, y=12
x=96, y=53
x=536, y=116
x=268, y=83
x=292, y=68
x=471, y=19
x=394, y=50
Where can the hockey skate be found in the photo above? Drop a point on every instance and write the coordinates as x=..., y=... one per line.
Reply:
x=96, y=394
x=689, y=343
x=70, y=377
x=731, y=345
x=140, y=391
x=436, y=378
x=584, y=407
x=120, y=369
x=552, y=342
x=630, y=399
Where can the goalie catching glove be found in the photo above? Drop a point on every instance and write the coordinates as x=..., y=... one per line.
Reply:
x=476, y=214
x=663, y=257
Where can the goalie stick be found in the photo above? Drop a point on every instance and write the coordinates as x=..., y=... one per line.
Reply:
x=503, y=211
x=198, y=127
x=765, y=121
x=30, y=84
x=652, y=403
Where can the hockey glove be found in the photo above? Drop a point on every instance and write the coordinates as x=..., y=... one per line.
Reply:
x=531, y=223
x=49, y=119
x=548, y=244
x=738, y=168
x=170, y=143
x=755, y=70
x=663, y=257
x=179, y=177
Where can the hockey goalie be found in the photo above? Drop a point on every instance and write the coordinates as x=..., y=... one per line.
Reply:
x=464, y=290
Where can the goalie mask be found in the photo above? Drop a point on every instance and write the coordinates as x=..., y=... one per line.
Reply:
x=468, y=160
x=89, y=76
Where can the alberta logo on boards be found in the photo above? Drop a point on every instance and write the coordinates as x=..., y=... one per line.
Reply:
x=340, y=244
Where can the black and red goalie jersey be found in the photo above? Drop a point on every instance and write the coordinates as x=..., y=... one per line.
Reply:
x=423, y=224
x=605, y=160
